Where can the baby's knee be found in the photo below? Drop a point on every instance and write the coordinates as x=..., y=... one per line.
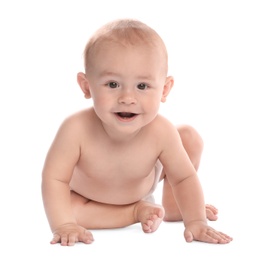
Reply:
x=190, y=137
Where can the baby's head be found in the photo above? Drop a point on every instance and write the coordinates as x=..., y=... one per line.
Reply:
x=125, y=32
x=126, y=74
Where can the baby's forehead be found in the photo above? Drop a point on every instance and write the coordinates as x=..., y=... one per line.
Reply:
x=124, y=34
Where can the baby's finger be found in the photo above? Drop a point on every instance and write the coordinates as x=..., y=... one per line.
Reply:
x=55, y=239
x=217, y=237
x=72, y=239
x=86, y=237
x=188, y=236
x=223, y=238
x=64, y=240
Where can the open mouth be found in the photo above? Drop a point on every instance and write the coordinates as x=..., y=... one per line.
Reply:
x=126, y=116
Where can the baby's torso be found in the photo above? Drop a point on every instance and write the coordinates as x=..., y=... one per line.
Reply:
x=116, y=173
x=115, y=176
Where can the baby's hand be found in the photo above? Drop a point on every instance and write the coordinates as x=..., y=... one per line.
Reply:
x=200, y=231
x=69, y=234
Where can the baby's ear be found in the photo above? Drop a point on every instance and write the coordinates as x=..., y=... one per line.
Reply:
x=169, y=82
x=84, y=84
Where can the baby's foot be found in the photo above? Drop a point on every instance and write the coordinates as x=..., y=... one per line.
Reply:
x=211, y=212
x=149, y=215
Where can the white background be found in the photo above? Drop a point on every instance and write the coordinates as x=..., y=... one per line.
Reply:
x=214, y=58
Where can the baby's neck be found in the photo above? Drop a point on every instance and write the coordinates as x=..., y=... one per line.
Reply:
x=121, y=137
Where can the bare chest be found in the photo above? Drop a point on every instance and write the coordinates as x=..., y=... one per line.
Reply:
x=117, y=174
x=123, y=165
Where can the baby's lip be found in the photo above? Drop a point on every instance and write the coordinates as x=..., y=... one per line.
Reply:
x=126, y=114
x=126, y=117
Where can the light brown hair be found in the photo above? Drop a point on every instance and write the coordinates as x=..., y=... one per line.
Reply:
x=126, y=32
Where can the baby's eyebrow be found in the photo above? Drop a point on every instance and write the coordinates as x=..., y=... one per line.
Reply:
x=106, y=73
x=145, y=77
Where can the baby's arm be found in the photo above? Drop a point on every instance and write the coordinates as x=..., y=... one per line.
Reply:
x=58, y=168
x=187, y=191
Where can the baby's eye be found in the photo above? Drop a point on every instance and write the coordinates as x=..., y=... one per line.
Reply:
x=142, y=86
x=113, y=84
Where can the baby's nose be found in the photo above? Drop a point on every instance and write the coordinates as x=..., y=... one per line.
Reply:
x=127, y=97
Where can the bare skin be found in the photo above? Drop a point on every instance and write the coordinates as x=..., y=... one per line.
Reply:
x=101, y=163
x=193, y=145
x=89, y=214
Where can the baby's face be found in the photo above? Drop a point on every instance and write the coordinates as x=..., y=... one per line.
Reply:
x=126, y=84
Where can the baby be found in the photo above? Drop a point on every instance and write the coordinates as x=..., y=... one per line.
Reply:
x=105, y=161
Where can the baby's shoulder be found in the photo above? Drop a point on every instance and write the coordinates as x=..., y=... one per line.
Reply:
x=163, y=123
x=78, y=121
x=80, y=116
x=164, y=127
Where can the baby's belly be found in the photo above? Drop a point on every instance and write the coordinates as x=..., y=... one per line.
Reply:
x=112, y=192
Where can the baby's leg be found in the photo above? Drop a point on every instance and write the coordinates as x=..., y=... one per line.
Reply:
x=95, y=215
x=193, y=145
